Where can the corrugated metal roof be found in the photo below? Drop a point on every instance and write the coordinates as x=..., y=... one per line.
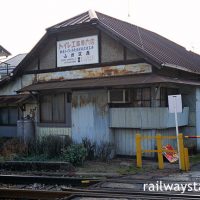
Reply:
x=156, y=47
x=14, y=61
x=7, y=66
x=106, y=82
x=82, y=18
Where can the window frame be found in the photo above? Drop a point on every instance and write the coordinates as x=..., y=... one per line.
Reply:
x=40, y=109
x=142, y=100
x=124, y=96
x=9, y=115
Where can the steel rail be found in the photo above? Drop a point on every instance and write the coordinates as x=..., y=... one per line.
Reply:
x=42, y=194
x=72, y=181
x=134, y=192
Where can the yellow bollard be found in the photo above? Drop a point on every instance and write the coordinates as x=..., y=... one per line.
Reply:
x=181, y=149
x=187, y=161
x=159, y=150
x=138, y=150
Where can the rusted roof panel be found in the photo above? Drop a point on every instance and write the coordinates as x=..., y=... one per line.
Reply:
x=15, y=99
x=152, y=45
x=106, y=82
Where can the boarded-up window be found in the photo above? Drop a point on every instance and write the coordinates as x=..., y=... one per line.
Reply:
x=142, y=97
x=52, y=108
x=8, y=116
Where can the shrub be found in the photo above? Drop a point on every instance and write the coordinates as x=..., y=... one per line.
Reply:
x=50, y=146
x=75, y=154
x=90, y=147
x=105, y=151
x=12, y=147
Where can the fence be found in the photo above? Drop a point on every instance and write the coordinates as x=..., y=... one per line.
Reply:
x=184, y=158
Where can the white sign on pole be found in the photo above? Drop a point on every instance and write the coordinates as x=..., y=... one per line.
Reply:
x=175, y=106
x=77, y=51
x=175, y=101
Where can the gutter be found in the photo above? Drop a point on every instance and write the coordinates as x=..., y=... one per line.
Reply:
x=178, y=67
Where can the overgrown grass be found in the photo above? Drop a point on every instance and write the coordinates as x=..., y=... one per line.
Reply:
x=56, y=148
x=43, y=148
x=129, y=170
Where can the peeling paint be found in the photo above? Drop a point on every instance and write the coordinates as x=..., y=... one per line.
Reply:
x=96, y=72
x=90, y=117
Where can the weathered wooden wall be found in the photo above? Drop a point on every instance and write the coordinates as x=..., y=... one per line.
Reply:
x=90, y=116
x=124, y=140
x=146, y=118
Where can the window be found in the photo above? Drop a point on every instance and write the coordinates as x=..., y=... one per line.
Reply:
x=164, y=92
x=52, y=108
x=142, y=97
x=8, y=115
x=118, y=96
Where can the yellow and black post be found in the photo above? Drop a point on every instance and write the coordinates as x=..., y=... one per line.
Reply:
x=138, y=150
x=159, y=151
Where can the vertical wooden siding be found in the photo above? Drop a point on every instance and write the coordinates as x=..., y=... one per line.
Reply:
x=125, y=140
x=146, y=118
x=90, y=116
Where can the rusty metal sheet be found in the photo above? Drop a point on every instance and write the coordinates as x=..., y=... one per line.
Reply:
x=118, y=70
x=107, y=82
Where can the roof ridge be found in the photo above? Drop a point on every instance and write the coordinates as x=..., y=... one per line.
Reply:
x=64, y=21
x=92, y=14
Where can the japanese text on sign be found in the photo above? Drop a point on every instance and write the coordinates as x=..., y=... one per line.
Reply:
x=77, y=51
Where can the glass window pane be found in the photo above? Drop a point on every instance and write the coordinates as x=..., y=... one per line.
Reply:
x=3, y=115
x=13, y=115
x=137, y=103
x=59, y=108
x=116, y=95
x=163, y=94
x=146, y=103
x=137, y=94
x=46, y=108
x=146, y=94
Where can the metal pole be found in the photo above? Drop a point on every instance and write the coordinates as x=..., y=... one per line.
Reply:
x=176, y=121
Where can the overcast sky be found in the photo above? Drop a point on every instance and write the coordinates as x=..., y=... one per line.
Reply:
x=23, y=22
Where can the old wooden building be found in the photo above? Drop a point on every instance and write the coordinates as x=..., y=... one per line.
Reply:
x=99, y=77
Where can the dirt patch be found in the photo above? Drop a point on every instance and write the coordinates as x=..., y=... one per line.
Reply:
x=121, y=167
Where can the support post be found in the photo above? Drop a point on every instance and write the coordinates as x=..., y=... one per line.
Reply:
x=138, y=150
x=187, y=161
x=181, y=149
x=159, y=150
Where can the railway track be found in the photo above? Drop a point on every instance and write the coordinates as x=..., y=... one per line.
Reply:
x=90, y=194
x=69, y=181
x=33, y=187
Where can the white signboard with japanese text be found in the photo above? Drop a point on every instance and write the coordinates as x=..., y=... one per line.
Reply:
x=175, y=103
x=77, y=51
